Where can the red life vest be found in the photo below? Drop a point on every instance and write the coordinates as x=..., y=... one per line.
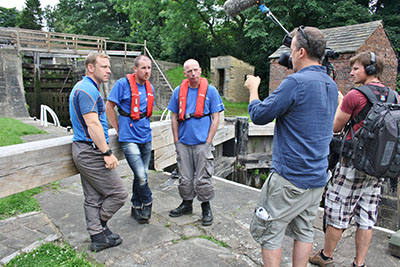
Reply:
x=201, y=98
x=135, y=100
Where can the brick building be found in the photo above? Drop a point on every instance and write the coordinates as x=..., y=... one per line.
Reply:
x=347, y=41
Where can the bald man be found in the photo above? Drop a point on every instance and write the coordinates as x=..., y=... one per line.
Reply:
x=195, y=107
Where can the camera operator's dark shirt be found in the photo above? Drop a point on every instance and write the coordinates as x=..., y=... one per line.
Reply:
x=304, y=106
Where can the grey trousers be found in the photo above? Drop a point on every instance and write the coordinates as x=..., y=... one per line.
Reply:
x=103, y=189
x=196, y=167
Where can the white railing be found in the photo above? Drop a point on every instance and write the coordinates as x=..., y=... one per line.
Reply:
x=43, y=116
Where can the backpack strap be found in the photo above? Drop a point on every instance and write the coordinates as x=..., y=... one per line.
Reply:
x=368, y=92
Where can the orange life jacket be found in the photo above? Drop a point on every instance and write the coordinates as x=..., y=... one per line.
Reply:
x=135, y=100
x=201, y=98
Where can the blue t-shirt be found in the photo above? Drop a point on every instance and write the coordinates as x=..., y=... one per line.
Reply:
x=304, y=106
x=85, y=97
x=195, y=130
x=132, y=131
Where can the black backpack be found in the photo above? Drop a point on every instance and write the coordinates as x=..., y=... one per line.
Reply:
x=376, y=145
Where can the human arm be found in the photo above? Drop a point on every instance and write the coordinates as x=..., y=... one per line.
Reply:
x=96, y=133
x=340, y=100
x=276, y=104
x=252, y=83
x=213, y=127
x=175, y=126
x=341, y=119
x=112, y=115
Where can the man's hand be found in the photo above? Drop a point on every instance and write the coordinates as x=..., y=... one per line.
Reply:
x=252, y=83
x=111, y=161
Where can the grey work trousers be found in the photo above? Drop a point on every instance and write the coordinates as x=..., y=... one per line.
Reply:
x=196, y=167
x=103, y=189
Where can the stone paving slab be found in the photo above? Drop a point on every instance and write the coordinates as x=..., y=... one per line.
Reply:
x=23, y=233
x=169, y=241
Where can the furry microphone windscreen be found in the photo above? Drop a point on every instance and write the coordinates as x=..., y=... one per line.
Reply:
x=234, y=7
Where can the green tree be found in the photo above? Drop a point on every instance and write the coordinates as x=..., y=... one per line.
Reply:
x=91, y=17
x=49, y=15
x=8, y=17
x=31, y=15
x=147, y=18
x=383, y=9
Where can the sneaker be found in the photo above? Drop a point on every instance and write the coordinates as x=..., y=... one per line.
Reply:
x=318, y=260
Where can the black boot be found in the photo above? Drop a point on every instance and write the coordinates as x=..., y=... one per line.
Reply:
x=108, y=232
x=207, y=214
x=184, y=208
x=135, y=213
x=101, y=241
x=145, y=213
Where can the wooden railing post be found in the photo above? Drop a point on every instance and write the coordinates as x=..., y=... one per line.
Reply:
x=48, y=42
x=75, y=44
x=242, y=135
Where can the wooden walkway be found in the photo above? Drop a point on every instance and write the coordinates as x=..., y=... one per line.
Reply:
x=71, y=45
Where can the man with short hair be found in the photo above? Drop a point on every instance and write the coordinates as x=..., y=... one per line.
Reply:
x=304, y=107
x=352, y=194
x=102, y=187
x=134, y=96
x=195, y=107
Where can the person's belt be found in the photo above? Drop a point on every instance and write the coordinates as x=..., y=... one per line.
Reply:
x=126, y=114
x=191, y=115
x=89, y=143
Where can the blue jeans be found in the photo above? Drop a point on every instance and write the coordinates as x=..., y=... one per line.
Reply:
x=138, y=157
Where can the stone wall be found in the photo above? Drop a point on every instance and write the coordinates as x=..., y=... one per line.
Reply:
x=227, y=75
x=12, y=98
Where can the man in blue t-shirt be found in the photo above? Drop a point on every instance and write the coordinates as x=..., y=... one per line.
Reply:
x=134, y=133
x=304, y=106
x=194, y=121
x=102, y=187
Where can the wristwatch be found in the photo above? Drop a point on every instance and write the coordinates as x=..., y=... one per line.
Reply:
x=107, y=153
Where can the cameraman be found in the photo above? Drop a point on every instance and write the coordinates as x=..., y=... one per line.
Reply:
x=304, y=106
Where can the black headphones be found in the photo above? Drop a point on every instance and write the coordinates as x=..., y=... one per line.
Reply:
x=370, y=69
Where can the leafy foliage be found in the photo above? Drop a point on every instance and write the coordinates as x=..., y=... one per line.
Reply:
x=31, y=15
x=91, y=17
x=8, y=17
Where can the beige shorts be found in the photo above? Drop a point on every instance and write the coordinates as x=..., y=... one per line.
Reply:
x=291, y=210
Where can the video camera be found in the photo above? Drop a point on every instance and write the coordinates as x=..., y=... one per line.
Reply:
x=286, y=61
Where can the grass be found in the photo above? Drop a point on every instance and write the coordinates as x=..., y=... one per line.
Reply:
x=19, y=203
x=51, y=254
x=214, y=240
x=11, y=130
x=234, y=109
x=175, y=76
